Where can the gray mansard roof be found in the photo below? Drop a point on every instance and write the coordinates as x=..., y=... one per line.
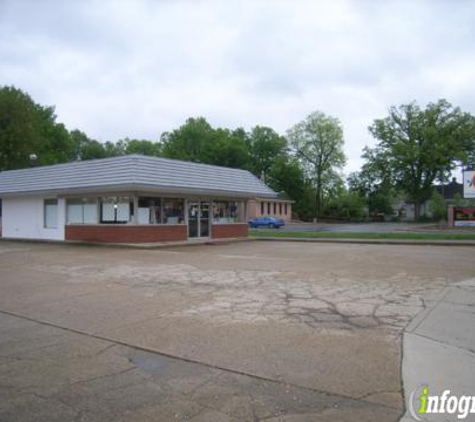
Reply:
x=133, y=172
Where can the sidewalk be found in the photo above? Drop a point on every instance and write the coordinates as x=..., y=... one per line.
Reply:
x=439, y=349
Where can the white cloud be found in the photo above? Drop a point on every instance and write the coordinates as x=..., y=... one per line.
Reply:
x=138, y=68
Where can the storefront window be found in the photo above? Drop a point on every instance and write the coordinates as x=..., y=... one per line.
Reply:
x=226, y=212
x=118, y=210
x=81, y=211
x=173, y=211
x=50, y=213
x=150, y=210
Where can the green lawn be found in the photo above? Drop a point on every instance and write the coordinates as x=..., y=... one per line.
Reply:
x=350, y=235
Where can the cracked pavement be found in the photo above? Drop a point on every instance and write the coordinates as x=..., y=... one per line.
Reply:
x=250, y=331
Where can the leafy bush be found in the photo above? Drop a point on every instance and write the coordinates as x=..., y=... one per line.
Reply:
x=437, y=207
x=348, y=206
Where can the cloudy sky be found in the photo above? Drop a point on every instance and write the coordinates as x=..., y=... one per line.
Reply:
x=138, y=68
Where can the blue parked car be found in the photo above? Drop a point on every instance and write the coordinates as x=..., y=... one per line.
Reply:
x=270, y=222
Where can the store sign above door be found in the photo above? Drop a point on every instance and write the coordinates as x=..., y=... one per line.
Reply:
x=469, y=184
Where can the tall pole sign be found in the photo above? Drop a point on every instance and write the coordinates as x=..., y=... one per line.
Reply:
x=469, y=184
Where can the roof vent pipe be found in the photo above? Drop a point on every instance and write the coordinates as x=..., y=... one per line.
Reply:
x=33, y=160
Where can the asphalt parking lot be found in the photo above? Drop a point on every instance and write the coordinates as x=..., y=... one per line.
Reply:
x=274, y=331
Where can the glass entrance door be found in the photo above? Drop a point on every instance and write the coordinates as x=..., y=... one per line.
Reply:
x=198, y=219
x=204, y=219
x=193, y=220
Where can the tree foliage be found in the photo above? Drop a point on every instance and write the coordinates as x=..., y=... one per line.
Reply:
x=377, y=193
x=437, y=206
x=348, y=205
x=198, y=141
x=417, y=146
x=317, y=143
x=140, y=146
x=265, y=146
x=86, y=148
x=28, y=128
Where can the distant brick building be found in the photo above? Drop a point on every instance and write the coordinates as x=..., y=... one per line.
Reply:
x=270, y=207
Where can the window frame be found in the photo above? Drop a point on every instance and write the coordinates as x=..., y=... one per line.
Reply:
x=52, y=202
x=155, y=203
x=115, y=202
x=182, y=218
x=83, y=202
x=228, y=212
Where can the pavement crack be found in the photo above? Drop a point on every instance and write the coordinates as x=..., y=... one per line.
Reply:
x=465, y=349
x=102, y=376
x=179, y=358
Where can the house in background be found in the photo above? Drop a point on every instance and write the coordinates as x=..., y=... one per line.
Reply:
x=449, y=192
x=128, y=199
x=278, y=207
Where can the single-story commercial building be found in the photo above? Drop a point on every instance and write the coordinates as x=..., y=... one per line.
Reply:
x=128, y=199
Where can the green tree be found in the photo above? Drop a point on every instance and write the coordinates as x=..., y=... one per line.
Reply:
x=114, y=149
x=265, y=146
x=377, y=193
x=333, y=187
x=287, y=176
x=458, y=200
x=318, y=145
x=348, y=206
x=227, y=148
x=197, y=141
x=86, y=148
x=417, y=146
x=142, y=146
x=29, y=128
x=58, y=146
x=437, y=206
x=189, y=141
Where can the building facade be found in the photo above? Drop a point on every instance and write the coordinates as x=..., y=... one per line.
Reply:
x=270, y=207
x=406, y=211
x=129, y=199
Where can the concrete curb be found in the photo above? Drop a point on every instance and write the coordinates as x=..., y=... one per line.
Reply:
x=371, y=241
x=145, y=246
x=165, y=245
x=142, y=246
x=439, y=347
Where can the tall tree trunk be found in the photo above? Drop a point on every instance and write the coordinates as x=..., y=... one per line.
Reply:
x=318, y=208
x=315, y=210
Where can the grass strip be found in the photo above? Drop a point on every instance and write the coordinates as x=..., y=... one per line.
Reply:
x=357, y=235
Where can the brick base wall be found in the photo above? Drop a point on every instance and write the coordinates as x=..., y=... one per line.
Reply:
x=147, y=234
x=222, y=231
x=126, y=234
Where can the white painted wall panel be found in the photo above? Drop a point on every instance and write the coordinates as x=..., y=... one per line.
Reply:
x=23, y=218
